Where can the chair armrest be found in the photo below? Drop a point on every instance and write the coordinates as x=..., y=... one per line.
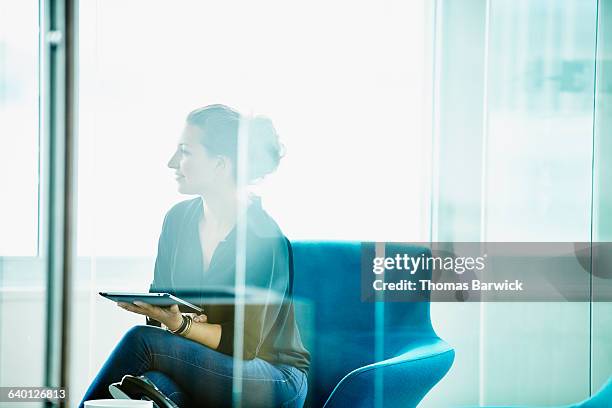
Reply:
x=407, y=377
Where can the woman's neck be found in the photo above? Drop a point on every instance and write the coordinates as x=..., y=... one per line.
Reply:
x=220, y=209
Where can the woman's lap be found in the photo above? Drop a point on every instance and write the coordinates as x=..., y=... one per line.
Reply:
x=206, y=375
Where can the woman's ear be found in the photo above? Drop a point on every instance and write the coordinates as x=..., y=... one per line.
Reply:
x=219, y=162
x=224, y=163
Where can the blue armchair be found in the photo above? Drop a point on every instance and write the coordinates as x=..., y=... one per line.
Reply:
x=364, y=354
x=359, y=360
x=353, y=351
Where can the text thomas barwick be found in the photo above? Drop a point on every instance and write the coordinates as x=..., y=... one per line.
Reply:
x=426, y=284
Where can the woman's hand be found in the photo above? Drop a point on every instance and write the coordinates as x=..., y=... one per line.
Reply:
x=171, y=316
x=199, y=318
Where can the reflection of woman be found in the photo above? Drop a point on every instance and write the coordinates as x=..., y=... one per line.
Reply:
x=197, y=247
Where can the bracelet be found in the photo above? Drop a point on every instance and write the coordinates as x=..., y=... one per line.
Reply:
x=186, y=330
x=181, y=327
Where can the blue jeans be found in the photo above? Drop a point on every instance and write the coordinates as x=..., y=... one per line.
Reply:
x=202, y=377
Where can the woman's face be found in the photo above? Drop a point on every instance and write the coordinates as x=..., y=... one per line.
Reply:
x=196, y=170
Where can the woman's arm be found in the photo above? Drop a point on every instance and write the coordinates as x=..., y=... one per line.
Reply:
x=208, y=334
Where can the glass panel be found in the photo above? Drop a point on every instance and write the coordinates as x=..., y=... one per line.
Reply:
x=346, y=101
x=19, y=128
x=22, y=277
x=602, y=217
x=519, y=97
x=538, y=188
x=457, y=199
x=540, y=113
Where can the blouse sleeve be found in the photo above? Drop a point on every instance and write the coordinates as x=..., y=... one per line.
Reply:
x=161, y=274
x=268, y=273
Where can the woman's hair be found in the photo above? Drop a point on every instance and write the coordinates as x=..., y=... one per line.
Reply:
x=219, y=135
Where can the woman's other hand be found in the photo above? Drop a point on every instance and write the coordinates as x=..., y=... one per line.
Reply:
x=199, y=318
x=171, y=316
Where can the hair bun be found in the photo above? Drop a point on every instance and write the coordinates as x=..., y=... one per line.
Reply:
x=220, y=127
x=265, y=149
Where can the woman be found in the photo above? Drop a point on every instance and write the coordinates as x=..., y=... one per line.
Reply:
x=197, y=249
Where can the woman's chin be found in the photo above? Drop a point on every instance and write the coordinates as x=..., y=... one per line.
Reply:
x=185, y=190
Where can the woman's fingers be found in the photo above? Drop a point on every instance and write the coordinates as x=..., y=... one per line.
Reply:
x=156, y=312
x=150, y=310
x=142, y=308
x=200, y=318
x=133, y=308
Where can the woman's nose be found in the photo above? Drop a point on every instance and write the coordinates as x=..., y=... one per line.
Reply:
x=172, y=162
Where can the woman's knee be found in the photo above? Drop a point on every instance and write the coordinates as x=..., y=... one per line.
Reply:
x=140, y=333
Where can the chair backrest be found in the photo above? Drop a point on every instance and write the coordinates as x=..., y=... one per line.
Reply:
x=342, y=332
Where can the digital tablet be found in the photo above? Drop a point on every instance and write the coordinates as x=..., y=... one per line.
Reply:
x=153, y=298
